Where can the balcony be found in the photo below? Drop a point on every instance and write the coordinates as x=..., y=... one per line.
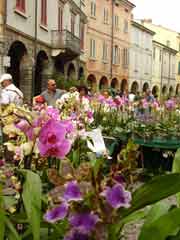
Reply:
x=66, y=44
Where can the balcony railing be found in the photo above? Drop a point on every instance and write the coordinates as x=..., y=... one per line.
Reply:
x=65, y=40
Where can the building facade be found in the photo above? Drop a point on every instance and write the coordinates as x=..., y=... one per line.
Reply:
x=178, y=67
x=169, y=40
x=140, y=69
x=164, y=69
x=40, y=38
x=107, y=43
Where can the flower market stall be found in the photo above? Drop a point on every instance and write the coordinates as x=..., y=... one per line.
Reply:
x=60, y=177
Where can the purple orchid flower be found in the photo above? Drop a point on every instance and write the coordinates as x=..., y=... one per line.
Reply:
x=119, y=179
x=57, y=213
x=53, y=113
x=170, y=104
x=23, y=125
x=2, y=162
x=52, y=140
x=85, y=222
x=26, y=128
x=76, y=235
x=68, y=125
x=72, y=192
x=89, y=114
x=117, y=196
x=101, y=99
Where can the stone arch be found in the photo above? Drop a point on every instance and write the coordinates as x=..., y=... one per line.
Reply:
x=17, y=52
x=41, y=64
x=155, y=91
x=81, y=74
x=114, y=83
x=134, y=87
x=91, y=81
x=103, y=83
x=171, y=91
x=124, y=86
x=59, y=65
x=178, y=89
x=145, y=86
x=71, y=72
x=164, y=90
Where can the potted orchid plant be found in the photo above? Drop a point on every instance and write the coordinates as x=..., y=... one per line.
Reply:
x=46, y=194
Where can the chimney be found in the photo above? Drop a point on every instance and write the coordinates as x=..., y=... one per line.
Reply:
x=149, y=20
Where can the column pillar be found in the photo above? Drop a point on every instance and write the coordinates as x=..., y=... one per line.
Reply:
x=47, y=73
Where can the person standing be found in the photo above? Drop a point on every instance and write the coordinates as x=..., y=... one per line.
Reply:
x=52, y=93
x=9, y=93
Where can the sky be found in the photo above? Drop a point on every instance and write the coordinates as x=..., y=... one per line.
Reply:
x=162, y=12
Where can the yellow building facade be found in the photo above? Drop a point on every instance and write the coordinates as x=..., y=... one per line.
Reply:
x=108, y=43
x=178, y=68
x=170, y=39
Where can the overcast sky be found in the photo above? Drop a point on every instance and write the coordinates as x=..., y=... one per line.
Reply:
x=163, y=12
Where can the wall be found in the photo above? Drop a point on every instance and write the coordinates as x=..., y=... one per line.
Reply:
x=24, y=23
x=163, y=35
x=164, y=72
x=140, y=56
x=157, y=65
x=102, y=32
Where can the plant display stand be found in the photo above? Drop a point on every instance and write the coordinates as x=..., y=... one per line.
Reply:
x=157, y=153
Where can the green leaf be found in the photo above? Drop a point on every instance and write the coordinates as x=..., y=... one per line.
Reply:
x=9, y=201
x=2, y=224
x=12, y=233
x=112, y=232
x=164, y=226
x=135, y=216
x=96, y=163
x=157, y=210
x=32, y=192
x=157, y=189
x=76, y=157
x=2, y=216
x=176, y=169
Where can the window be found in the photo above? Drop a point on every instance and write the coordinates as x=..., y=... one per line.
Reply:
x=44, y=12
x=20, y=5
x=82, y=36
x=92, y=48
x=126, y=27
x=116, y=55
x=125, y=57
x=73, y=21
x=179, y=68
x=105, y=52
x=116, y=21
x=106, y=16
x=60, y=19
x=93, y=9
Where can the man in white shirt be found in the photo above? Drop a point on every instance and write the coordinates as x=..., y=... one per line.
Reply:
x=131, y=97
x=9, y=93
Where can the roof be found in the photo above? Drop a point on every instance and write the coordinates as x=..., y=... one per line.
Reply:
x=166, y=47
x=142, y=27
x=126, y=2
x=159, y=26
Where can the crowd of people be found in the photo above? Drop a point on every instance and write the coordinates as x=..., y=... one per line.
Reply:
x=11, y=94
